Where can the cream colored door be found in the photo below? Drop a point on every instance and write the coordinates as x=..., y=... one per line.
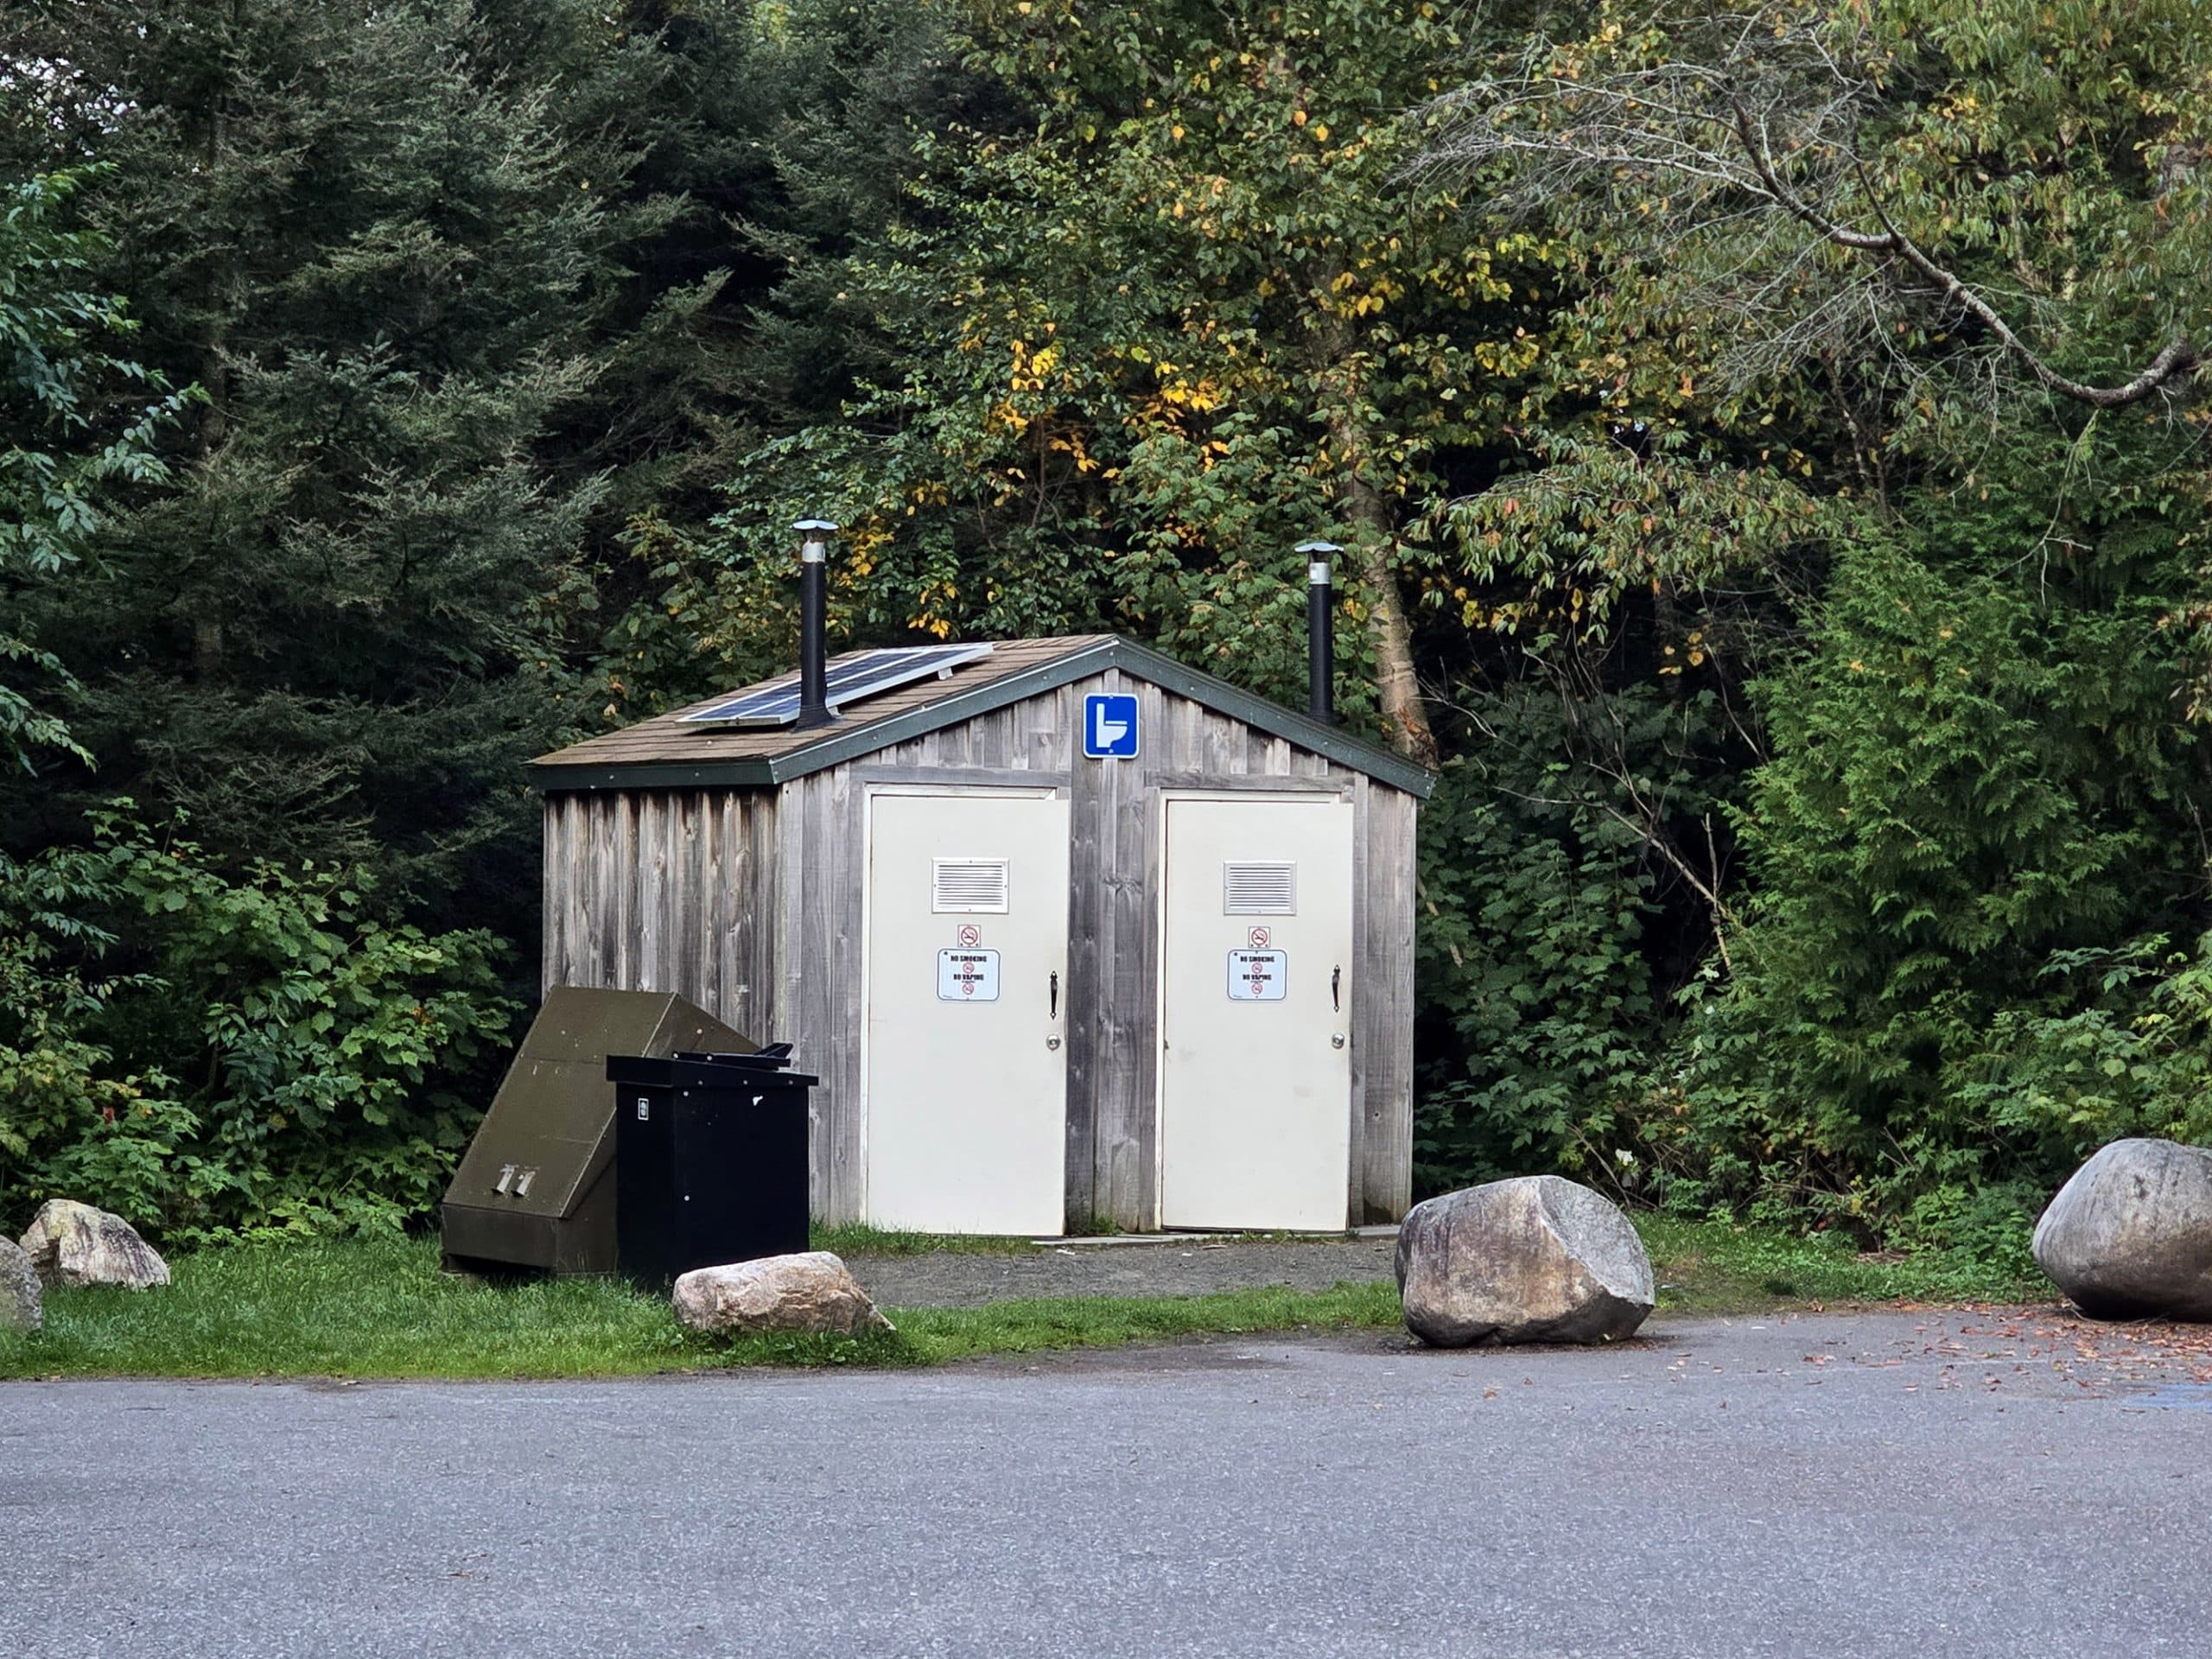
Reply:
x=1256, y=1000
x=967, y=942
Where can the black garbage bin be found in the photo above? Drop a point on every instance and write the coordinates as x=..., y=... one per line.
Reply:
x=710, y=1154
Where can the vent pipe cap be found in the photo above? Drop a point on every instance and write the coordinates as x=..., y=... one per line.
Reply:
x=814, y=550
x=1318, y=555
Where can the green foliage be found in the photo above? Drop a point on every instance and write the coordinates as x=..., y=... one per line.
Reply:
x=1536, y=893
x=60, y=453
x=1817, y=669
x=1967, y=591
x=260, y=1055
x=417, y=258
x=1976, y=779
x=1727, y=1267
x=1150, y=316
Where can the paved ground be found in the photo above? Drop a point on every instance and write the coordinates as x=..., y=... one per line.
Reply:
x=1857, y=1486
x=1150, y=1266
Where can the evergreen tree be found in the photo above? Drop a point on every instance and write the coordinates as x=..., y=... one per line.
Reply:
x=60, y=454
x=393, y=246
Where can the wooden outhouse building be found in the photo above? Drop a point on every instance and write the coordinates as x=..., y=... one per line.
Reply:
x=1071, y=933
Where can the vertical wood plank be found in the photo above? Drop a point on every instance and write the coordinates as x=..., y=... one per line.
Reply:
x=1044, y=723
x=1222, y=744
x=1089, y=1030
x=843, y=848
x=1388, y=969
x=655, y=834
x=712, y=944
x=788, y=951
x=583, y=938
x=991, y=739
x=609, y=877
x=690, y=934
x=1364, y=988
x=725, y=899
x=582, y=927
x=825, y=986
x=624, y=873
x=763, y=905
x=1134, y=893
x=555, y=887
x=1186, y=734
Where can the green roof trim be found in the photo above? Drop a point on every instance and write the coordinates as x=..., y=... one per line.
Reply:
x=835, y=747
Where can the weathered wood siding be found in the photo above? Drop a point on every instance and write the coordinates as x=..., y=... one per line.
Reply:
x=663, y=890
x=750, y=903
x=1382, y=1033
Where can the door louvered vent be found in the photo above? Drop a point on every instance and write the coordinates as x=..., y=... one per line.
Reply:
x=967, y=885
x=1259, y=889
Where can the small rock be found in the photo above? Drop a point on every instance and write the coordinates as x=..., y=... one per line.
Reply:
x=2130, y=1236
x=1534, y=1259
x=812, y=1290
x=21, y=1301
x=74, y=1244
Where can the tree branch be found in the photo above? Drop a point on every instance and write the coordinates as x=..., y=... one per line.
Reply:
x=1761, y=115
x=2178, y=357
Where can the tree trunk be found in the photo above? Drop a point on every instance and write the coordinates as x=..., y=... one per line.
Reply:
x=1396, y=686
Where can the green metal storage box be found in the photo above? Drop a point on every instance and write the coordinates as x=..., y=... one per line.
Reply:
x=536, y=1188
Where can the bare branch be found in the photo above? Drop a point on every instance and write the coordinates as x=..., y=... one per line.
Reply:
x=1760, y=117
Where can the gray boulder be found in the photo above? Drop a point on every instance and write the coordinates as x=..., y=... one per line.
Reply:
x=74, y=1244
x=1534, y=1259
x=2130, y=1236
x=21, y=1301
x=810, y=1292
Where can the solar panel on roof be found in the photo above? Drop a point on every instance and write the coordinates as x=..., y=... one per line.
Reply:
x=866, y=675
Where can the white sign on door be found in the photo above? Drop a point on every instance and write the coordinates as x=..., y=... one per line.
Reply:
x=1258, y=975
x=968, y=975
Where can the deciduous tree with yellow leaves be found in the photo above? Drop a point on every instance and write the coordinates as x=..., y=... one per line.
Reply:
x=1176, y=309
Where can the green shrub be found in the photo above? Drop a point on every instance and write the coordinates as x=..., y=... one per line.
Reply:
x=215, y=1056
x=1953, y=982
x=1543, y=934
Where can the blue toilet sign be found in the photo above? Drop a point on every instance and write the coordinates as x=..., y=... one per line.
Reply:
x=1109, y=726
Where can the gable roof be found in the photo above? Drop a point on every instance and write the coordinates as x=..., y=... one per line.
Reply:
x=665, y=752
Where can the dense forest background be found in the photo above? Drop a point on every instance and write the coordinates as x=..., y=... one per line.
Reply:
x=1768, y=439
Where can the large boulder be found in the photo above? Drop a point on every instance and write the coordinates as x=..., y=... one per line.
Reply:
x=1534, y=1259
x=21, y=1301
x=2130, y=1236
x=812, y=1292
x=74, y=1244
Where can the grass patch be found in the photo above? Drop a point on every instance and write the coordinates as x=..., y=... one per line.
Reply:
x=381, y=1308
x=1717, y=1266
x=1026, y=1327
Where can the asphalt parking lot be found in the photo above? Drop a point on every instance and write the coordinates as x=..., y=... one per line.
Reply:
x=1964, y=1482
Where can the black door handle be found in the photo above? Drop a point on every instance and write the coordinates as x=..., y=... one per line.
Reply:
x=1054, y=1011
x=1337, y=987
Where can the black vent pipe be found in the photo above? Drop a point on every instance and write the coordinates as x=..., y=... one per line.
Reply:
x=814, y=622
x=1320, y=632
